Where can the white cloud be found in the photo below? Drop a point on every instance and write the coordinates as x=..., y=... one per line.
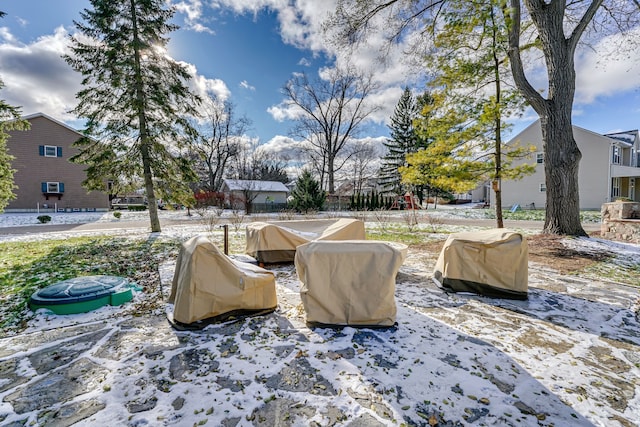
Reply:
x=304, y=62
x=386, y=99
x=6, y=35
x=284, y=111
x=192, y=9
x=283, y=146
x=245, y=85
x=37, y=78
x=205, y=87
x=610, y=67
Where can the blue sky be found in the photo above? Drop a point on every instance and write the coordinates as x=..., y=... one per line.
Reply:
x=246, y=50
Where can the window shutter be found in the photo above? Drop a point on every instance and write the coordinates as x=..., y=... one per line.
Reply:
x=61, y=187
x=58, y=151
x=44, y=187
x=41, y=150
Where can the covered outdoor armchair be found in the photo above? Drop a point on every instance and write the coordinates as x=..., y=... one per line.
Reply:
x=492, y=262
x=349, y=282
x=207, y=283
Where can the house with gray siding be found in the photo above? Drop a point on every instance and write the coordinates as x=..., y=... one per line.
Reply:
x=609, y=169
x=47, y=181
x=260, y=194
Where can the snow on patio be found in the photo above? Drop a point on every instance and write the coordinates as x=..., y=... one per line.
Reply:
x=569, y=355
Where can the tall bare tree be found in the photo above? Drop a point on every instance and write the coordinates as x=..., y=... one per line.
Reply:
x=219, y=141
x=560, y=26
x=363, y=163
x=332, y=110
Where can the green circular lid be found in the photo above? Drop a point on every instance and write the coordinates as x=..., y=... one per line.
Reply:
x=78, y=289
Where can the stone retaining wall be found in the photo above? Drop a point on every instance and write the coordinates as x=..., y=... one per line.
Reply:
x=621, y=221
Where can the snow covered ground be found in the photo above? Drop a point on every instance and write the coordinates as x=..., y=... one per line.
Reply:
x=568, y=356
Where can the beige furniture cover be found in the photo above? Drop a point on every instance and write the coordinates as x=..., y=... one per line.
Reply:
x=350, y=282
x=207, y=283
x=276, y=241
x=490, y=262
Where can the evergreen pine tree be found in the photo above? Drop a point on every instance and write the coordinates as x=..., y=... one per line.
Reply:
x=134, y=97
x=307, y=194
x=9, y=120
x=403, y=140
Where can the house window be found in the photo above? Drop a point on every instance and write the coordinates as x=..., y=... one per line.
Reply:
x=539, y=158
x=53, y=187
x=615, y=187
x=616, y=156
x=543, y=187
x=50, y=151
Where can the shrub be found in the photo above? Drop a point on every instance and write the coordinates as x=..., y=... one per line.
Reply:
x=307, y=194
x=136, y=208
x=44, y=219
x=117, y=214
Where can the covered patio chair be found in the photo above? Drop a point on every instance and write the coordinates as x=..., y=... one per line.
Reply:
x=208, y=284
x=349, y=282
x=492, y=262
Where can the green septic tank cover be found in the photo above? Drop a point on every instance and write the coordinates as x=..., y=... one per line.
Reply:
x=83, y=294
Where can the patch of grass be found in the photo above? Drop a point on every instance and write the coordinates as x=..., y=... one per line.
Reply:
x=401, y=235
x=627, y=274
x=26, y=267
x=538, y=215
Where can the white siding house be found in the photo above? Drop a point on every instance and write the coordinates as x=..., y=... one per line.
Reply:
x=609, y=169
x=258, y=191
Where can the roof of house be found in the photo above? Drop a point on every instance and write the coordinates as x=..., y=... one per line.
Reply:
x=253, y=185
x=627, y=137
x=58, y=122
x=630, y=136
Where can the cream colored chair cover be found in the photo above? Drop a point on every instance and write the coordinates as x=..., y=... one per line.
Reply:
x=349, y=282
x=207, y=283
x=490, y=262
x=276, y=241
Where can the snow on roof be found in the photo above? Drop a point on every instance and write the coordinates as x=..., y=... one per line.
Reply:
x=629, y=137
x=253, y=185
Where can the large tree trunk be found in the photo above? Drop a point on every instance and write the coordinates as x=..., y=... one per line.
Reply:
x=561, y=161
x=562, y=155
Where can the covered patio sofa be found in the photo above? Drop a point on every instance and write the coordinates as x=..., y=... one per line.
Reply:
x=276, y=241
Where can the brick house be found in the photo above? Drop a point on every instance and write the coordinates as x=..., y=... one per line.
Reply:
x=47, y=181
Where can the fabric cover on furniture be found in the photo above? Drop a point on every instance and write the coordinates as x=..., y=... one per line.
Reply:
x=207, y=283
x=490, y=262
x=276, y=241
x=349, y=282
